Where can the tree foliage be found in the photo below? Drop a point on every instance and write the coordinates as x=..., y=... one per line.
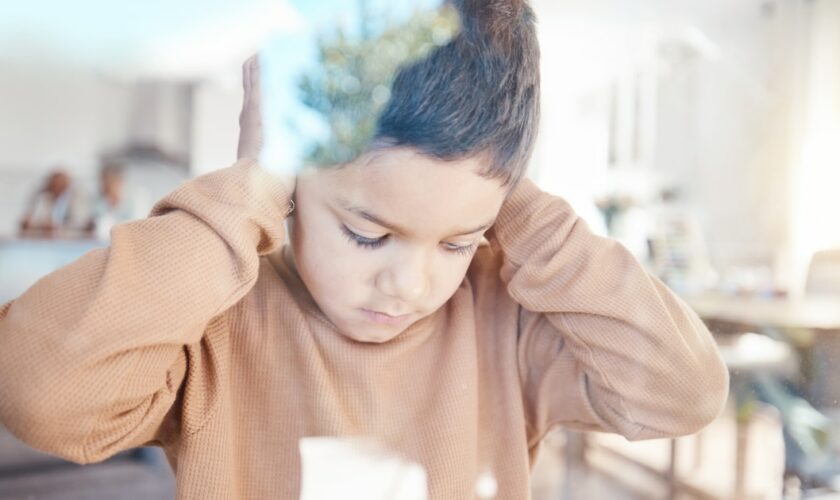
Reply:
x=350, y=84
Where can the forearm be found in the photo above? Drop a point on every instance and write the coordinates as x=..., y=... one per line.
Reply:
x=648, y=359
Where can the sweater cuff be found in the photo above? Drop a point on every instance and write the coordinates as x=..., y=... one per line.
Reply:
x=529, y=219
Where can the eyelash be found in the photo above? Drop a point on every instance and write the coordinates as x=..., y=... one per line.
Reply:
x=373, y=243
x=361, y=240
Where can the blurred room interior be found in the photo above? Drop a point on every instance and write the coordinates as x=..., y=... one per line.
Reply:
x=702, y=134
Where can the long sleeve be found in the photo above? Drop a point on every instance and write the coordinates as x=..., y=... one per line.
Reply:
x=93, y=356
x=602, y=344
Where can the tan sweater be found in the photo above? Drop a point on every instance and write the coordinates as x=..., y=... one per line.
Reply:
x=190, y=332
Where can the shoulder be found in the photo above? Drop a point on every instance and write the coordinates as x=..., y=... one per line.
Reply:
x=277, y=294
x=271, y=286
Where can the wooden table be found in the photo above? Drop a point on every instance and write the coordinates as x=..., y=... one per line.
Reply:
x=803, y=321
x=812, y=312
x=810, y=323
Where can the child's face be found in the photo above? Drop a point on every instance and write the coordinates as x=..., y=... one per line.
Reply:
x=387, y=240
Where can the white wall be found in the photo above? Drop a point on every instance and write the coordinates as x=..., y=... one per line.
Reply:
x=816, y=153
x=722, y=112
x=57, y=116
x=722, y=133
x=215, y=123
x=53, y=115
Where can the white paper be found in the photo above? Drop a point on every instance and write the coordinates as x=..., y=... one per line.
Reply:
x=355, y=469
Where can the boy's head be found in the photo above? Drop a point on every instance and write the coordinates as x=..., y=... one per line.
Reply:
x=385, y=240
x=478, y=94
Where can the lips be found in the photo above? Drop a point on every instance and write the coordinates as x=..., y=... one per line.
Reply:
x=384, y=318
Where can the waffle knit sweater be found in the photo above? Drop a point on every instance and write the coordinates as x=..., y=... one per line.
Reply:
x=191, y=332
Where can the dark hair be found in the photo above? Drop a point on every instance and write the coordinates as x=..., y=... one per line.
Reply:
x=477, y=94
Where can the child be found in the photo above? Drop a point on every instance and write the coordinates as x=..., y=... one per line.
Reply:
x=199, y=331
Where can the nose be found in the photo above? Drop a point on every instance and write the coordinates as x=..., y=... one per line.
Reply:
x=407, y=278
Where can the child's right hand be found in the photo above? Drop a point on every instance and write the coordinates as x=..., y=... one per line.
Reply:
x=250, y=119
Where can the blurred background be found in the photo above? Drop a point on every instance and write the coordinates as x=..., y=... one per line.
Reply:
x=703, y=134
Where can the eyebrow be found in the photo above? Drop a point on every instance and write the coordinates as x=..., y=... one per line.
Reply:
x=367, y=215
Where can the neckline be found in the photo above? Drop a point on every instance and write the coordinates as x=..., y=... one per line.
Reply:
x=279, y=260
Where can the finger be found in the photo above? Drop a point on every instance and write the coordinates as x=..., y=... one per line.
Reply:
x=245, y=83
x=247, y=72
x=254, y=74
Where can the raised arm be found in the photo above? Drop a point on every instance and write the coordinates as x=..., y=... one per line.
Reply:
x=93, y=356
x=602, y=344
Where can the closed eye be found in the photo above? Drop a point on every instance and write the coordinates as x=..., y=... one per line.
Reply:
x=373, y=243
x=461, y=249
x=361, y=240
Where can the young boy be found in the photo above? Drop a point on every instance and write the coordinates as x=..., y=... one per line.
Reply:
x=199, y=331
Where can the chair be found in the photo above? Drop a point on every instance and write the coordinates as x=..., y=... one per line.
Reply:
x=824, y=273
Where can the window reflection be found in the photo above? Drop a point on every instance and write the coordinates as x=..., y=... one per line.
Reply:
x=702, y=136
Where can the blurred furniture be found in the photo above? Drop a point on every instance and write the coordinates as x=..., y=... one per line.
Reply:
x=678, y=250
x=810, y=323
x=751, y=358
x=25, y=474
x=820, y=314
x=824, y=273
x=818, y=311
x=703, y=464
x=740, y=456
x=23, y=261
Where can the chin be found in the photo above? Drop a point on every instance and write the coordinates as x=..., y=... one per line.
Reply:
x=361, y=326
x=373, y=334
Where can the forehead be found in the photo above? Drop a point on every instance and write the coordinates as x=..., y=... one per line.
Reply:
x=413, y=190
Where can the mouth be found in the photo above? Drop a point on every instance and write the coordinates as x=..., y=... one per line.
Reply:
x=385, y=318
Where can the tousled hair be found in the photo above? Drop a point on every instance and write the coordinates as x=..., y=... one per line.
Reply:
x=476, y=95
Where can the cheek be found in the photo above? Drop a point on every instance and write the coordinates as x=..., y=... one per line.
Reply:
x=330, y=265
x=448, y=276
